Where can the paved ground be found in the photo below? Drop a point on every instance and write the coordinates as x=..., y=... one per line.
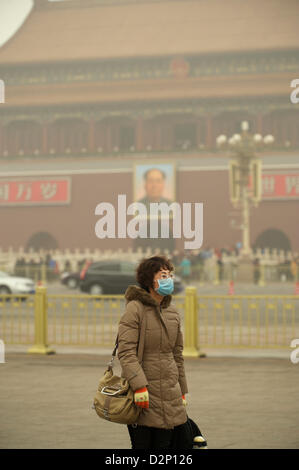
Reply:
x=238, y=402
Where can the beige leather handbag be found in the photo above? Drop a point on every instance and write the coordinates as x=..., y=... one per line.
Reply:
x=114, y=399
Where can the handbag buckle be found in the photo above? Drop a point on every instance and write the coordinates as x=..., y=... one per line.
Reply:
x=110, y=363
x=110, y=393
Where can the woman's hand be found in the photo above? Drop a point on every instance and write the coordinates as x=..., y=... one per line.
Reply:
x=141, y=397
x=184, y=400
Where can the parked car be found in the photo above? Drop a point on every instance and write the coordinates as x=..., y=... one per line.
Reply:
x=113, y=277
x=15, y=285
x=70, y=280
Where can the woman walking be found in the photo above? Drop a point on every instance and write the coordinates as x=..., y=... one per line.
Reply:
x=159, y=382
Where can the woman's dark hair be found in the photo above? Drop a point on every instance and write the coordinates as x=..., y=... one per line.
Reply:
x=147, y=269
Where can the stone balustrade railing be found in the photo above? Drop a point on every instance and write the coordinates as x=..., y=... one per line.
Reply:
x=8, y=258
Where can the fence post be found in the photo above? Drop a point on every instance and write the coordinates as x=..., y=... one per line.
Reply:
x=40, y=323
x=216, y=280
x=191, y=348
x=44, y=273
x=261, y=281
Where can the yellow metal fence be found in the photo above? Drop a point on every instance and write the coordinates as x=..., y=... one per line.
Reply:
x=84, y=319
x=17, y=318
x=218, y=321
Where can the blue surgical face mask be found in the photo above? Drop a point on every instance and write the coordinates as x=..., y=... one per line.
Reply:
x=166, y=286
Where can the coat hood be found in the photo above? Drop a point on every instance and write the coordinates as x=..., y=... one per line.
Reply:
x=137, y=293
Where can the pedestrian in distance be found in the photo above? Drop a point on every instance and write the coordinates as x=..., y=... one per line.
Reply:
x=186, y=268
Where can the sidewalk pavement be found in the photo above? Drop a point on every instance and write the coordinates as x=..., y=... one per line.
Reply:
x=278, y=353
x=238, y=402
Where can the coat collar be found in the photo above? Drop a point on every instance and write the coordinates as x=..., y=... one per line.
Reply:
x=137, y=293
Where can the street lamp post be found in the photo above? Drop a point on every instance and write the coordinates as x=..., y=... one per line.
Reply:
x=244, y=163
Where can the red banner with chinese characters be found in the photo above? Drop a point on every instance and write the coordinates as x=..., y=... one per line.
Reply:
x=40, y=191
x=280, y=186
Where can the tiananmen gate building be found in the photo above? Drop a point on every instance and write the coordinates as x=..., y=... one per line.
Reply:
x=96, y=89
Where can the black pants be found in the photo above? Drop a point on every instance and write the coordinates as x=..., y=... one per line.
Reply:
x=145, y=437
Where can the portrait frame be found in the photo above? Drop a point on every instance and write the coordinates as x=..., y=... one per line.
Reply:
x=167, y=166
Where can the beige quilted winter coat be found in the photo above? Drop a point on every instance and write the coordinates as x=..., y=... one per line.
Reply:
x=162, y=368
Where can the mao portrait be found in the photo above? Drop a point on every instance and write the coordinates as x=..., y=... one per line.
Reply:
x=155, y=183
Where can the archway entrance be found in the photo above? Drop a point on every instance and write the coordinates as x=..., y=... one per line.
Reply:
x=42, y=240
x=273, y=238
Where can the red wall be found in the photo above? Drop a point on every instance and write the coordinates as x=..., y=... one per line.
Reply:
x=73, y=225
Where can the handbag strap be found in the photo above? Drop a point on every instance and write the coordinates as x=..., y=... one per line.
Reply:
x=140, y=348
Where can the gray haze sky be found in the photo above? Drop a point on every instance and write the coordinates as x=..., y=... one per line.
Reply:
x=12, y=15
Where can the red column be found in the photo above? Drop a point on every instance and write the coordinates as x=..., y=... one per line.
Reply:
x=157, y=130
x=91, y=136
x=284, y=128
x=60, y=138
x=139, y=134
x=294, y=132
x=198, y=131
x=45, y=149
x=169, y=137
x=108, y=137
x=1, y=140
x=17, y=145
x=209, y=131
x=259, y=123
x=275, y=129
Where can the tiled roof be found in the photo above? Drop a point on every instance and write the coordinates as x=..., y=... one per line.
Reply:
x=100, y=31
